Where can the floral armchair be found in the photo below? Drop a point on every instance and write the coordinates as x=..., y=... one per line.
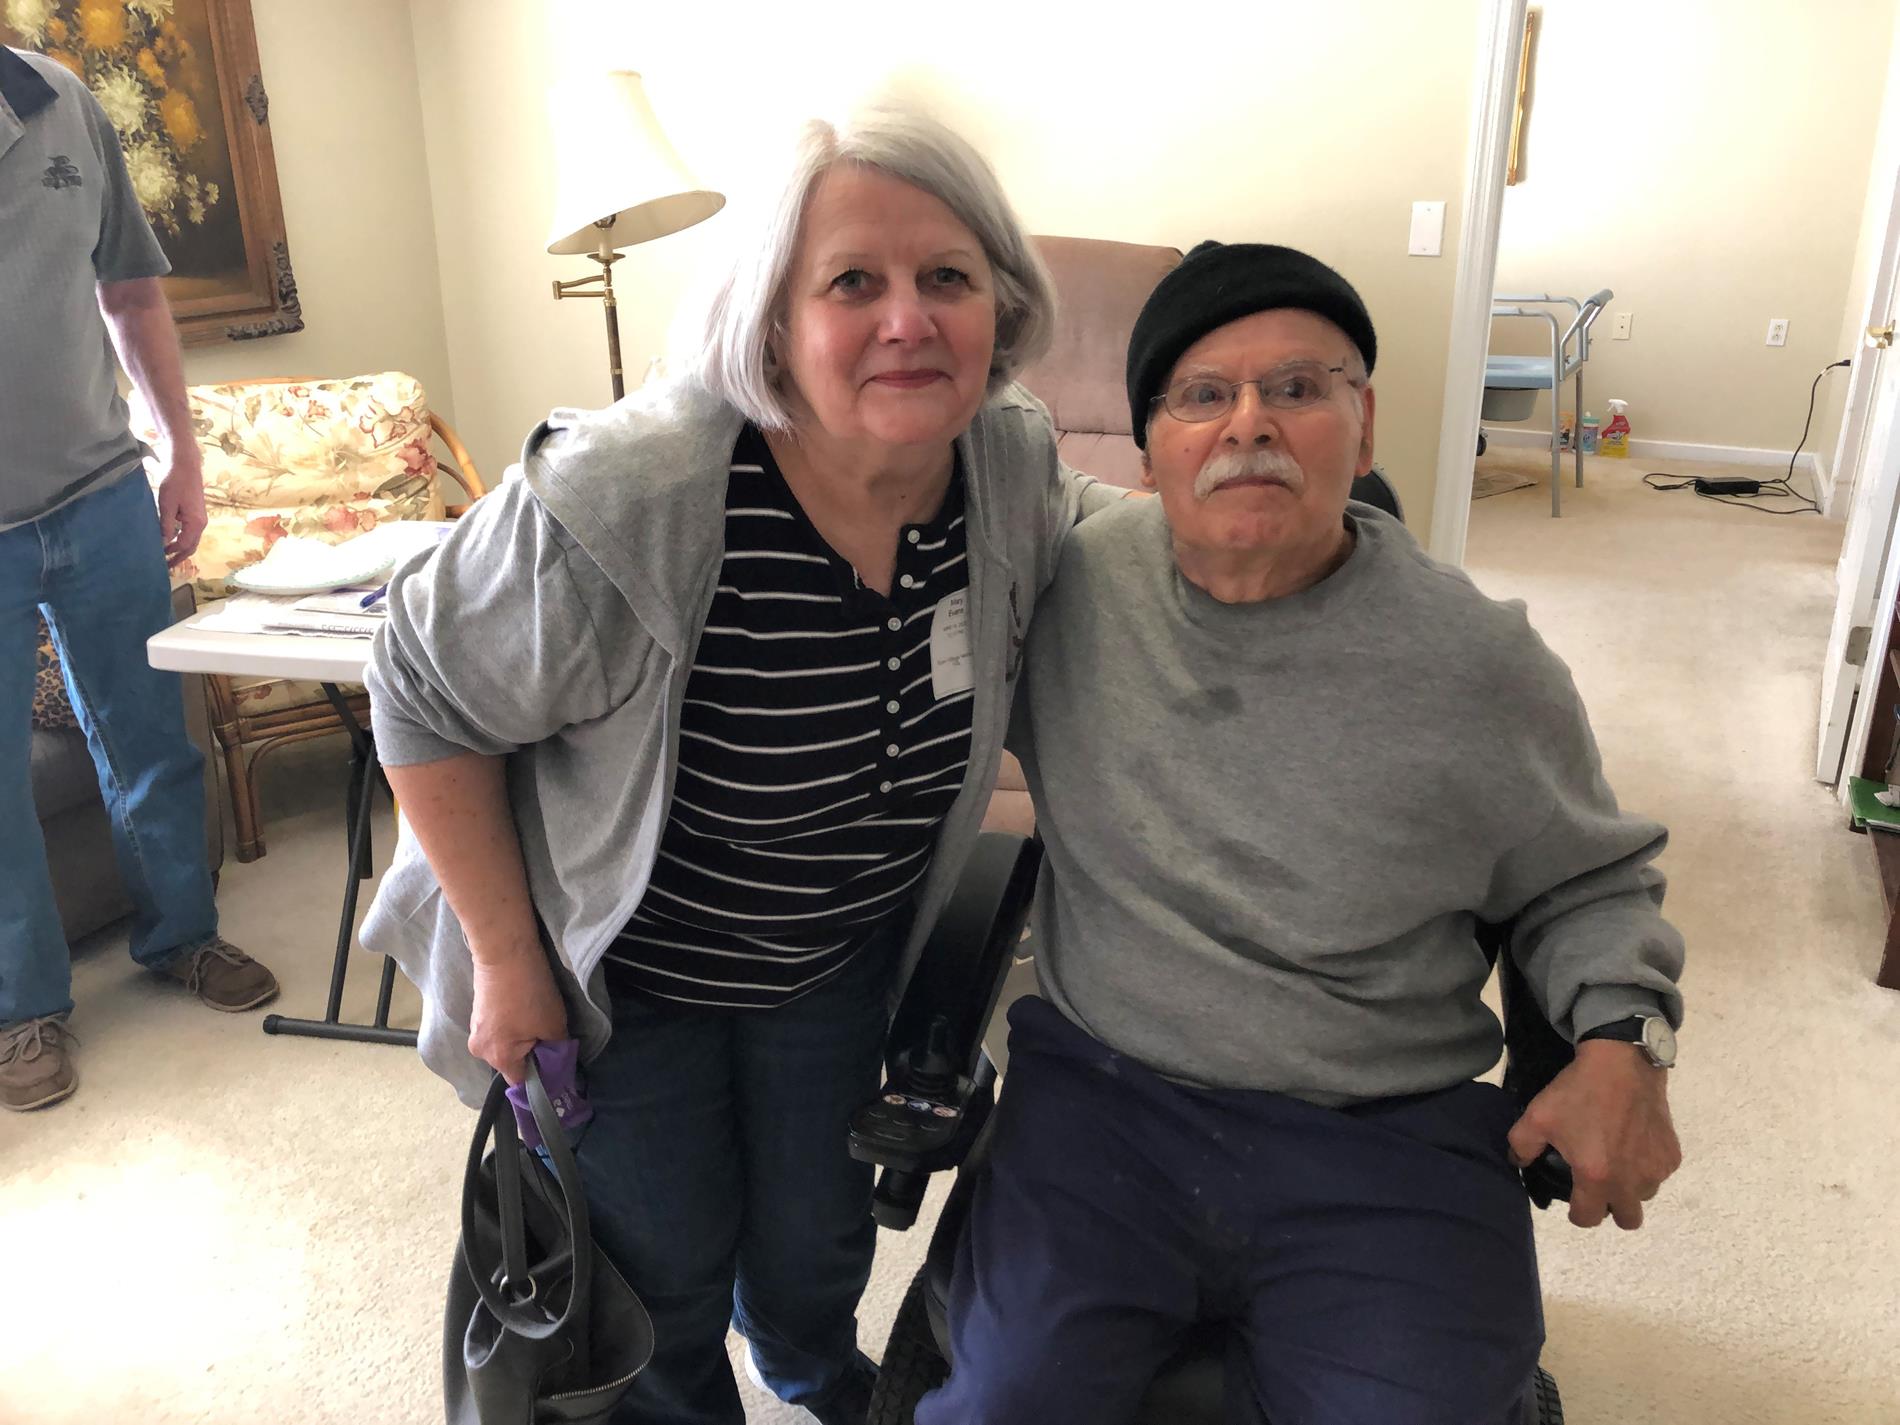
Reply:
x=321, y=459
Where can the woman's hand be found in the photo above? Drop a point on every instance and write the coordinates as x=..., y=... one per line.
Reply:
x=517, y=1006
x=458, y=809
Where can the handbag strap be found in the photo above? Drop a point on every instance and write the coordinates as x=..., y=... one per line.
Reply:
x=502, y=1285
x=516, y=1276
x=580, y=1241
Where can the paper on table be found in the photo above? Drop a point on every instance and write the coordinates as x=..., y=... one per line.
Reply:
x=245, y=613
x=263, y=613
x=347, y=601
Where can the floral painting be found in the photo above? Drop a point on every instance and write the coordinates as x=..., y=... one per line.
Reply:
x=178, y=79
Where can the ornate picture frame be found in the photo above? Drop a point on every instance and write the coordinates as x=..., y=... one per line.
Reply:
x=1526, y=62
x=180, y=81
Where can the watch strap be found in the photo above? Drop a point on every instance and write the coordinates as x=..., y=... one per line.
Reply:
x=1626, y=1031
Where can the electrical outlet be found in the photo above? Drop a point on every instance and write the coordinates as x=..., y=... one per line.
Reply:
x=1427, y=237
x=1778, y=331
x=1621, y=330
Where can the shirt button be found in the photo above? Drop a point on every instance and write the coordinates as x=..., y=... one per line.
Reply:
x=907, y=582
x=891, y=749
x=914, y=535
x=894, y=624
x=891, y=706
x=893, y=664
x=884, y=787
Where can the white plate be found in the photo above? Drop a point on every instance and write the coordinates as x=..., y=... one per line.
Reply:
x=310, y=566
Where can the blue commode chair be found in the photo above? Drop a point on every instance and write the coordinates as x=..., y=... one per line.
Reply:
x=1511, y=383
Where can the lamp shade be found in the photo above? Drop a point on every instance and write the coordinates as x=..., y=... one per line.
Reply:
x=613, y=163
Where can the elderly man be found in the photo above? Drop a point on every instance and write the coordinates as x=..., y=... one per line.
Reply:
x=1279, y=783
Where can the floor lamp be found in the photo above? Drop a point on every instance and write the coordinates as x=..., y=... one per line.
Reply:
x=620, y=184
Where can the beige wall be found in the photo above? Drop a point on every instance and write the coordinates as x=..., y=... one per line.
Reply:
x=1708, y=160
x=346, y=123
x=1095, y=129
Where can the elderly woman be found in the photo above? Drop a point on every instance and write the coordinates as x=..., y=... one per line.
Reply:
x=694, y=726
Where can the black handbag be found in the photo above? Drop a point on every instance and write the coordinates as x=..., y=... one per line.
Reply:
x=540, y=1328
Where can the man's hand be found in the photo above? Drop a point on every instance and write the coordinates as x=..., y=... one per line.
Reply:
x=142, y=333
x=1608, y=1114
x=181, y=503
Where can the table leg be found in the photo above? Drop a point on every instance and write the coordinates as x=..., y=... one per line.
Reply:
x=365, y=773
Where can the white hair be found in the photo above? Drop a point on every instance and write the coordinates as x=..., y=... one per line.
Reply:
x=747, y=311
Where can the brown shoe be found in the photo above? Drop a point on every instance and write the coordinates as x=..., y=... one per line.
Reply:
x=223, y=976
x=36, y=1064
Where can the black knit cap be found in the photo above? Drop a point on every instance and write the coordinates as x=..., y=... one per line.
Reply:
x=1218, y=283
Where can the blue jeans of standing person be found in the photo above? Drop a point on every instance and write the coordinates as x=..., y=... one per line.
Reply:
x=96, y=569
x=1374, y=1263
x=718, y=1181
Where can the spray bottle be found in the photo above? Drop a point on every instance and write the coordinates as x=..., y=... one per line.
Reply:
x=1614, y=441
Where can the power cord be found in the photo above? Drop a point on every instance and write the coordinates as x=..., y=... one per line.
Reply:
x=1722, y=493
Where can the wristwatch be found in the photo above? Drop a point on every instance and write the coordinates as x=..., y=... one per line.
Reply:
x=1649, y=1032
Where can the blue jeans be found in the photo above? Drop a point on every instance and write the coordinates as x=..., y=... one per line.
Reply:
x=718, y=1181
x=96, y=569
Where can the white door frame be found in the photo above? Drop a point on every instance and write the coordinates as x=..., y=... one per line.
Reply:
x=1862, y=726
x=1488, y=150
x=1865, y=572
x=1864, y=576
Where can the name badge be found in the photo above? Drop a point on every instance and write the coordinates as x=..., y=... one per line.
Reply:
x=952, y=668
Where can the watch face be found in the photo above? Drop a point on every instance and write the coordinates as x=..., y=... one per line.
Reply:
x=1659, y=1040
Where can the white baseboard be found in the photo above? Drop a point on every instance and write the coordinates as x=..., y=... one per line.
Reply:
x=1809, y=464
x=1824, y=481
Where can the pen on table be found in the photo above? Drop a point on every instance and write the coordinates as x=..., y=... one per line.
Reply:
x=373, y=595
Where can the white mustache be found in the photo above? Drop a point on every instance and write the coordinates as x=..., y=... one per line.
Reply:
x=1231, y=465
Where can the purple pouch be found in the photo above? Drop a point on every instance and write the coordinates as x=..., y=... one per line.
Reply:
x=559, y=1063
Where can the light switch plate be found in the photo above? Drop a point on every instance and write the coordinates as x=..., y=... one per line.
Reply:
x=1428, y=229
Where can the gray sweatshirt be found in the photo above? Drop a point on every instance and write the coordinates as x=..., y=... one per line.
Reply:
x=556, y=628
x=1271, y=827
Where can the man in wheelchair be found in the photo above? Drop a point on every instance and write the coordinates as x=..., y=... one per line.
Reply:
x=1284, y=765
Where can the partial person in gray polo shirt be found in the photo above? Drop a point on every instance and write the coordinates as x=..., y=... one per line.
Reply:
x=83, y=541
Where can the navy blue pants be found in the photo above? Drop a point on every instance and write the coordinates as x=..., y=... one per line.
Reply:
x=1375, y=1263
x=719, y=1182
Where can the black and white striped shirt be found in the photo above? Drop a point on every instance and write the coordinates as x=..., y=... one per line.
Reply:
x=818, y=752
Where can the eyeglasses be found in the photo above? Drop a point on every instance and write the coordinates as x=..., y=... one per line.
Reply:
x=1292, y=387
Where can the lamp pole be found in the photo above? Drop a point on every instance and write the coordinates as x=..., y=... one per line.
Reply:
x=583, y=287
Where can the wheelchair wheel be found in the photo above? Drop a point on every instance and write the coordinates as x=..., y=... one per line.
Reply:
x=1550, y=1408
x=912, y=1365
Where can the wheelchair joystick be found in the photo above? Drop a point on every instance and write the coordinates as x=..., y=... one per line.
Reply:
x=934, y=1074
x=911, y=1126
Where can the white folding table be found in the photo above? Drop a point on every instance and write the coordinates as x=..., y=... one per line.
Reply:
x=186, y=647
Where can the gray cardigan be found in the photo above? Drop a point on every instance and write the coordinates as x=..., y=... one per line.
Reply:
x=556, y=627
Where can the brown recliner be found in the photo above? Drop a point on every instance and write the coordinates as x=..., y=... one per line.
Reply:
x=1102, y=287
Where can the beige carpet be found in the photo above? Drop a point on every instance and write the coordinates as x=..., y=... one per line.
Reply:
x=1763, y=1288
x=227, y=1228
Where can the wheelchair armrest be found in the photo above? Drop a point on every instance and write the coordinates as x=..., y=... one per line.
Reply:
x=1375, y=489
x=1534, y=1054
x=939, y=1088
x=960, y=973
